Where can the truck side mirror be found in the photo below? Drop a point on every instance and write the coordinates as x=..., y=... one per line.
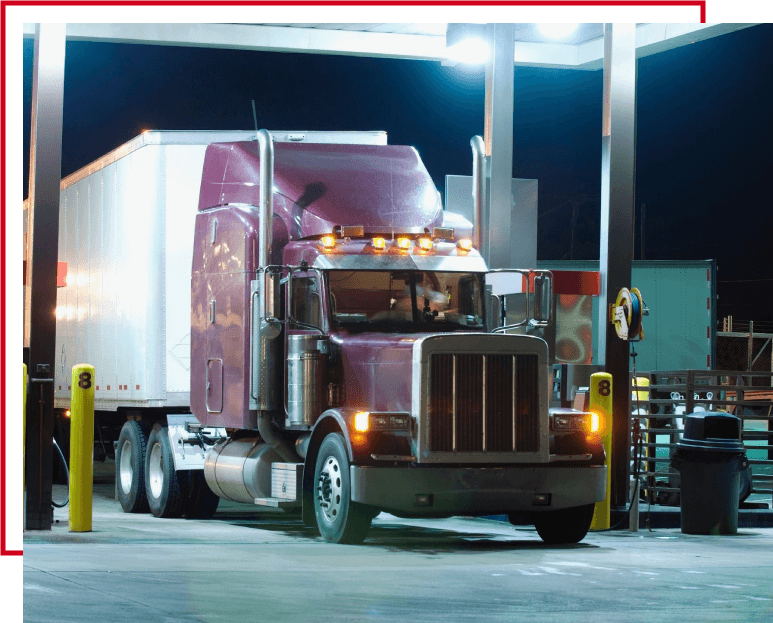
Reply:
x=493, y=309
x=271, y=299
x=543, y=299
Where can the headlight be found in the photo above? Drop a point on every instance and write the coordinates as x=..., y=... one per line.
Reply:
x=361, y=421
x=567, y=421
x=366, y=420
x=595, y=423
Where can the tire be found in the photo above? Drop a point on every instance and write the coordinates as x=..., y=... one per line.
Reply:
x=569, y=525
x=130, y=467
x=165, y=490
x=338, y=518
x=201, y=503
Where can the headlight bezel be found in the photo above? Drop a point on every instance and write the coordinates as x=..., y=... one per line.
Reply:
x=572, y=421
x=382, y=421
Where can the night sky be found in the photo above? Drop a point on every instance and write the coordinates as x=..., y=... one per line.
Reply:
x=705, y=133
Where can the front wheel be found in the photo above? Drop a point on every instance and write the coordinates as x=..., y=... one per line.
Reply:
x=339, y=519
x=568, y=525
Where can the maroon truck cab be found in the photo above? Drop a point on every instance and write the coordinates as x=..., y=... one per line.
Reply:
x=348, y=357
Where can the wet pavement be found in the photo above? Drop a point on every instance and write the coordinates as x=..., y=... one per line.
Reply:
x=248, y=565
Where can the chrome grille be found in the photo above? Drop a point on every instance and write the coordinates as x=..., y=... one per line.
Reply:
x=483, y=403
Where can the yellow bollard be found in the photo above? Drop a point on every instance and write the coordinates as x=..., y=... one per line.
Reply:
x=640, y=392
x=601, y=404
x=81, y=447
x=24, y=451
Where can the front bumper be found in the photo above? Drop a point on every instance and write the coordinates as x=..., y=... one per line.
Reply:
x=430, y=491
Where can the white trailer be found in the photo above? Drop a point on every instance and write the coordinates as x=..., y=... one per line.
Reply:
x=126, y=226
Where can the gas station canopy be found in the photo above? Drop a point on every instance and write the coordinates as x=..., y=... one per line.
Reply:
x=583, y=49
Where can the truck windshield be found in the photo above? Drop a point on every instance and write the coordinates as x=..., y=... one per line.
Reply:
x=405, y=298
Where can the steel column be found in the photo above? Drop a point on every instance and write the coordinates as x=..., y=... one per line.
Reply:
x=43, y=232
x=498, y=238
x=618, y=170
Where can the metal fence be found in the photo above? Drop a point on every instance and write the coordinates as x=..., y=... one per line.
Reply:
x=670, y=395
x=746, y=346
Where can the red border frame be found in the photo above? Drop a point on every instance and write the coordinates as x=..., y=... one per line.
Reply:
x=701, y=4
x=3, y=309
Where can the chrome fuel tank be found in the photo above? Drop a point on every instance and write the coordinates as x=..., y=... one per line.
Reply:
x=307, y=358
x=240, y=470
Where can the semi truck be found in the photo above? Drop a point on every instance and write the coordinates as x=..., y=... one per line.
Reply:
x=292, y=320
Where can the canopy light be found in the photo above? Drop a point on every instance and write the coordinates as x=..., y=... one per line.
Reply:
x=425, y=244
x=557, y=31
x=404, y=243
x=379, y=244
x=328, y=242
x=467, y=44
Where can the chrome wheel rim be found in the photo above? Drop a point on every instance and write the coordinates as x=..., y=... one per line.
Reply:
x=155, y=471
x=125, y=470
x=329, y=489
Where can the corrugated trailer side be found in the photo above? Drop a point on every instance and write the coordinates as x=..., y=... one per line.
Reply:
x=126, y=230
x=112, y=313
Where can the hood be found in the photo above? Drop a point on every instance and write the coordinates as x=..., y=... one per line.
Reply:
x=377, y=369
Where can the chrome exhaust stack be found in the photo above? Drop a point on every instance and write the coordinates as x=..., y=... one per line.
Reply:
x=265, y=327
x=266, y=348
x=266, y=199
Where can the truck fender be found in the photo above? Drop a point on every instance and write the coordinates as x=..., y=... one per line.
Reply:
x=331, y=421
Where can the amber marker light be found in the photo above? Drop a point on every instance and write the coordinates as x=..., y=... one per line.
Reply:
x=404, y=243
x=465, y=244
x=328, y=242
x=67, y=413
x=425, y=244
x=362, y=421
x=379, y=244
x=594, y=425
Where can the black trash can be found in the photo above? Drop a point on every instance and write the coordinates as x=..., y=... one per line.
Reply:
x=710, y=458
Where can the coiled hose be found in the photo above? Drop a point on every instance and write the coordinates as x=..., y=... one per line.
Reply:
x=67, y=471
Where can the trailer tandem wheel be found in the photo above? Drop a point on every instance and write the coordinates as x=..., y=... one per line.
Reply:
x=130, y=466
x=166, y=490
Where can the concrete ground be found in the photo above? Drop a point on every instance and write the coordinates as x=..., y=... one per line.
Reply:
x=247, y=565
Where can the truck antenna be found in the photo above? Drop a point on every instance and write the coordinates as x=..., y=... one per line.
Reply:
x=255, y=118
